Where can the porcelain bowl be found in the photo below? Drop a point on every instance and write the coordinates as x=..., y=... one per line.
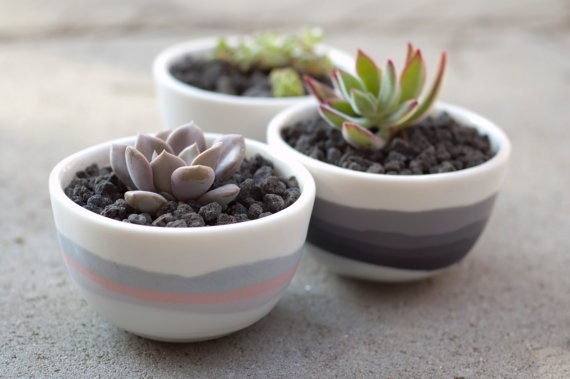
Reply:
x=180, y=103
x=397, y=228
x=180, y=284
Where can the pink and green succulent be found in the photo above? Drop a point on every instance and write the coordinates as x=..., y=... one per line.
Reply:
x=374, y=104
x=177, y=165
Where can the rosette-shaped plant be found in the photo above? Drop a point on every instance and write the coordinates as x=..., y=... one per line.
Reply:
x=373, y=104
x=177, y=165
x=270, y=51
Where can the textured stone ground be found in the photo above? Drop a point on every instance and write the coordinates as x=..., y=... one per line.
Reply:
x=76, y=73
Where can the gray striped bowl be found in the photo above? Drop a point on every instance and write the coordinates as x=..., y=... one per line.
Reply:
x=180, y=284
x=397, y=228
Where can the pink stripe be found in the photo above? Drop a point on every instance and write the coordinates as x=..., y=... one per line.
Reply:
x=198, y=298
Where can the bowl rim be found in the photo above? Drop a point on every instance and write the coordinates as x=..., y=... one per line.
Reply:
x=58, y=196
x=164, y=59
x=496, y=136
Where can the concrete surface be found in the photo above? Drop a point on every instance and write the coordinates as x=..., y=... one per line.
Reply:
x=74, y=73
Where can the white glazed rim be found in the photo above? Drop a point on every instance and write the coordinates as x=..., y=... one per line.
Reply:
x=498, y=139
x=304, y=178
x=165, y=59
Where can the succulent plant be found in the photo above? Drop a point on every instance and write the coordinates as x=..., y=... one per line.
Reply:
x=286, y=82
x=177, y=165
x=373, y=104
x=269, y=50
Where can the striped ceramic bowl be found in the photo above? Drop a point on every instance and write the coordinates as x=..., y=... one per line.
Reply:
x=397, y=228
x=180, y=284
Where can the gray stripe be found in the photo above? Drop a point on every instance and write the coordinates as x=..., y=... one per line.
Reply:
x=223, y=280
x=227, y=307
x=425, y=240
x=401, y=241
x=413, y=255
x=437, y=221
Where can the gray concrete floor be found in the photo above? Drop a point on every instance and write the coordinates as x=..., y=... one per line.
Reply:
x=74, y=73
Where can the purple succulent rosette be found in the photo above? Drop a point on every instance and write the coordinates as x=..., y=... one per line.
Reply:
x=177, y=165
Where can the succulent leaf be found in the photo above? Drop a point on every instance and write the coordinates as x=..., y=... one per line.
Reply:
x=389, y=93
x=429, y=100
x=363, y=103
x=119, y=164
x=402, y=114
x=209, y=157
x=410, y=52
x=162, y=168
x=321, y=91
x=163, y=135
x=359, y=137
x=189, y=153
x=232, y=155
x=145, y=201
x=147, y=145
x=345, y=82
x=342, y=106
x=222, y=195
x=139, y=169
x=190, y=182
x=334, y=117
x=368, y=72
x=184, y=136
x=413, y=78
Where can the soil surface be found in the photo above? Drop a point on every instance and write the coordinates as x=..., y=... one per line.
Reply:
x=222, y=77
x=262, y=193
x=437, y=144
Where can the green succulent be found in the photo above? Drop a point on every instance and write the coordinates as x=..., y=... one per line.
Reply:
x=373, y=104
x=268, y=51
x=286, y=82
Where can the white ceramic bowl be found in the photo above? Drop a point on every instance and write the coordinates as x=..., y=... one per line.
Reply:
x=180, y=103
x=180, y=284
x=397, y=228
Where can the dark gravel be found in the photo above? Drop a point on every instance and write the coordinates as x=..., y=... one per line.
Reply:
x=222, y=77
x=436, y=145
x=262, y=193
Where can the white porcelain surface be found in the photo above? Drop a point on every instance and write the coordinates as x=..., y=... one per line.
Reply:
x=180, y=103
x=419, y=223
x=180, y=284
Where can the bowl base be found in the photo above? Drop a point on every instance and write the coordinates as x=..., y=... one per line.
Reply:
x=173, y=325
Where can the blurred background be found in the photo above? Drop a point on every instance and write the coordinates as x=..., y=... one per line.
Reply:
x=75, y=73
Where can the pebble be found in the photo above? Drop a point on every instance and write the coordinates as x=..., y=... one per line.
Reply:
x=210, y=212
x=421, y=150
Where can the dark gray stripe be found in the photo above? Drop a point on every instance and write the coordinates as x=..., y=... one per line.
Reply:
x=401, y=241
x=227, y=307
x=431, y=258
x=426, y=240
x=219, y=281
x=415, y=256
x=437, y=221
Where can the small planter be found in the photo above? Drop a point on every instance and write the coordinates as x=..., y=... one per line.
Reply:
x=397, y=228
x=180, y=103
x=180, y=284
